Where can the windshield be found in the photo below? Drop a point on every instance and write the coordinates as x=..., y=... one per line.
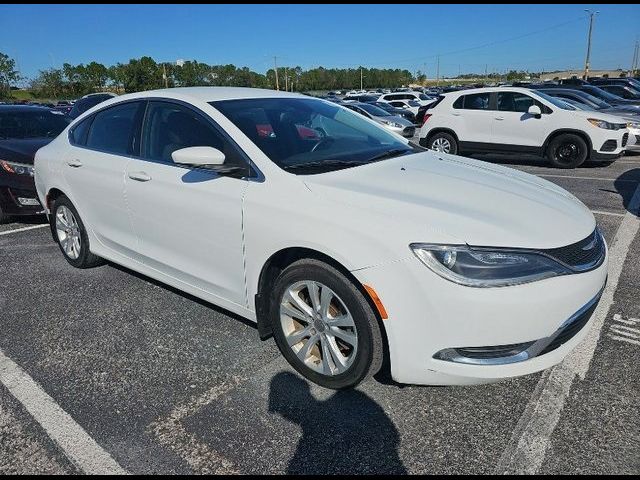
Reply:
x=373, y=110
x=555, y=101
x=34, y=124
x=307, y=136
x=602, y=94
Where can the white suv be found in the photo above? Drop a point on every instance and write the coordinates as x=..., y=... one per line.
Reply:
x=521, y=120
x=421, y=98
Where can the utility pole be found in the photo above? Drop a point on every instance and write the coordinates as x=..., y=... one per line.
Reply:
x=438, y=72
x=634, y=63
x=586, y=63
x=275, y=66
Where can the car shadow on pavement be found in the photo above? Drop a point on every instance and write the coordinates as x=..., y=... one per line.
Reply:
x=626, y=186
x=347, y=433
x=526, y=160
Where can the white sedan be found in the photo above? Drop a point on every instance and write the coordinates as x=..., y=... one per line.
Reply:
x=350, y=245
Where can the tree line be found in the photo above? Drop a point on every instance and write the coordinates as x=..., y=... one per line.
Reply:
x=72, y=81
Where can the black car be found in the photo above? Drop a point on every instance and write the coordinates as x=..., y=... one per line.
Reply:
x=87, y=102
x=624, y=91
x=401, y=112
x=594, y=90
x=23, y=130
x=626, y=81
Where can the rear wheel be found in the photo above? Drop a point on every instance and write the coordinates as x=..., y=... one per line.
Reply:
x=71, y=235
x=324, y=326
x=567, y=151
x=443, y=142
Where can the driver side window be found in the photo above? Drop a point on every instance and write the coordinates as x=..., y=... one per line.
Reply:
x=169, y=127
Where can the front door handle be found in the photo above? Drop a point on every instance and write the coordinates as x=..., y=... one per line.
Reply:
x=499, y=118
x=74, y=163
x=139, y=176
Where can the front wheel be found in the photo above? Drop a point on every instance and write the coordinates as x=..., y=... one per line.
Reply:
x=443, y=142
x=567, y=151
x=324, y=326
x=71, y=235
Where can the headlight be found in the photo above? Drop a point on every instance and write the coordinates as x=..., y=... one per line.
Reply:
x=633, y=125
x=392, y=124
x=17, y=168
x=603, y=124
x=480, y=267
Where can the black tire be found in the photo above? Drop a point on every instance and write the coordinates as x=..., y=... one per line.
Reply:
x=85, y=259
x=370, y=351
x=443, y=139
x=567, y=151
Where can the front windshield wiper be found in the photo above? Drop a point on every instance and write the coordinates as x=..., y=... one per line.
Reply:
x=388, y=154
x=326, y=163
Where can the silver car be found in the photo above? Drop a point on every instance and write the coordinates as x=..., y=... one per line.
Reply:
x=391, y=122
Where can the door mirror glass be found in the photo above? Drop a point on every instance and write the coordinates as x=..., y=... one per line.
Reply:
x=534, y=110
x=199, y=156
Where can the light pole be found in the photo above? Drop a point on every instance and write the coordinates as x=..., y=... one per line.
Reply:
x=586, y=63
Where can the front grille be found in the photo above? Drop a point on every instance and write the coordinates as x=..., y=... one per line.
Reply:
x=583, y=255
x=625, y=139
x=609, y=146
x=571, y=330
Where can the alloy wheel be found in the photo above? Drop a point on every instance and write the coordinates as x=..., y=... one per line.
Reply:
x=441, y=145
x=68, y=231
x=318, y=327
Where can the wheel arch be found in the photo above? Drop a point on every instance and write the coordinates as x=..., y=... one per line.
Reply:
x=562, y=131
x=52, y=195
x=434, y=131
x=280, y=260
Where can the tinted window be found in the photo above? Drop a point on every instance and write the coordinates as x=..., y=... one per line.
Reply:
x=113, y=129
x=80, y=131
x=38, y=123
x=518, y=102
x=170, y=127
x=476, y=101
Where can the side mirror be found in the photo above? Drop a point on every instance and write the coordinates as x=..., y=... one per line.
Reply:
x=535, y=111
x=198, y=156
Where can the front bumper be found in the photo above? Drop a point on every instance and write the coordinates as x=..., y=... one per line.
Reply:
x=428, y=314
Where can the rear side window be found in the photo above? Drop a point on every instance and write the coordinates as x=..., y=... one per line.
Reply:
x=114, y=130
x=78, y=134
x=475, y=101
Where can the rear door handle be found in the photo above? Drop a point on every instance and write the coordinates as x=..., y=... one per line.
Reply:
x=139, y=176
x=500, y=118
x=74, y=163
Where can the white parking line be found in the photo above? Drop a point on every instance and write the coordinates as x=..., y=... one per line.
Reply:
x=73, y=440
x=531, y=438
x=23, y=229
x=578, y=177
x=603, y=212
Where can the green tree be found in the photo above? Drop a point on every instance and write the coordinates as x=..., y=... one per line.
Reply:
x=8, y=75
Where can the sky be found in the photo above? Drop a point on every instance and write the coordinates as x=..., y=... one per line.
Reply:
x=468, y=38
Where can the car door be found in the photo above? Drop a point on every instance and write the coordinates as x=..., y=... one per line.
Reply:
x=471, y=119
x=514, y=126
x=188, y=220
x=94, y=169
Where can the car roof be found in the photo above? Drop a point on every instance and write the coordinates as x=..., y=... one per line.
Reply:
x=23, y=108
x=212, y=94
x=489, y=90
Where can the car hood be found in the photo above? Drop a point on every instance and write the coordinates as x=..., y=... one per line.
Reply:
x=456, y=199
x=21, y=150
x=621, y=111
x=599, y=114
